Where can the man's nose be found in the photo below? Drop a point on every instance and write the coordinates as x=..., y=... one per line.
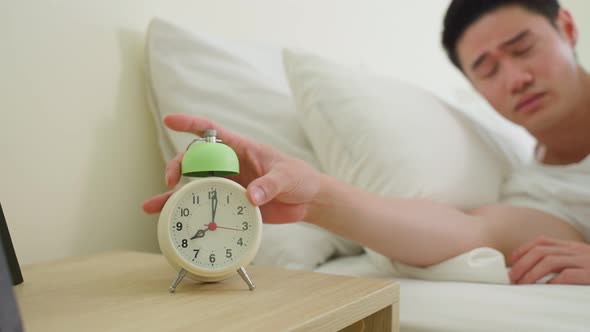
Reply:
x=519, y=77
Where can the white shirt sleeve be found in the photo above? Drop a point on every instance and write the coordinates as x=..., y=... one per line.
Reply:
x=563, y=191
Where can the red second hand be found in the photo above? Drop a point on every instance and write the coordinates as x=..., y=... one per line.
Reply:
x=217, y=226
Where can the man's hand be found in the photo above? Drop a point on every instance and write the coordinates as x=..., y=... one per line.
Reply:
x=569, y=260
x=282, y=186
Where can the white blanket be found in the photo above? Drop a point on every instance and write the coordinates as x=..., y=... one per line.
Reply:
x=484, y=265
x=466, y=306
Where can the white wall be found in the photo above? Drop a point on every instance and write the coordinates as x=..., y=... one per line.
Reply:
x=77, y=143
x=580, y=9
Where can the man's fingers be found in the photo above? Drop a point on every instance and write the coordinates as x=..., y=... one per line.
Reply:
x=173, y=169
x=525, y=248
x=156, y=203
x=572, y=276
x=196, y=125
x=527, y=261
x=549, y=264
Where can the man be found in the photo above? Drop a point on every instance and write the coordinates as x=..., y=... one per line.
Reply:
x=520, y=56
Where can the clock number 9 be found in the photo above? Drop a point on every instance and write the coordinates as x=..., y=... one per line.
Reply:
x=179, y=226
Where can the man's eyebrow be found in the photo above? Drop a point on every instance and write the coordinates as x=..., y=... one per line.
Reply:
x=520, y=36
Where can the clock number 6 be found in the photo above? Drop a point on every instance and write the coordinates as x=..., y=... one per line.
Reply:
x=212, y=258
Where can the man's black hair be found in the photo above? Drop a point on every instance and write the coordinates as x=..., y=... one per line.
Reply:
x=462, y=13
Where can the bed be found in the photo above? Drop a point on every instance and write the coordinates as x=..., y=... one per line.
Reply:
x=464, y=306
x=112, y=69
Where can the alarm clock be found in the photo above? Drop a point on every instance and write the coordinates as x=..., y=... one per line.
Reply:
x=208, y=230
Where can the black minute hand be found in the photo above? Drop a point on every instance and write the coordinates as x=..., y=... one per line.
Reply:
x=213, y=206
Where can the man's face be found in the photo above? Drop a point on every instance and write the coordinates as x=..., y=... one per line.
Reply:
x=523, y=65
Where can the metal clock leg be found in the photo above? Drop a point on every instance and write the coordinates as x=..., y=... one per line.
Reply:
x=242, y=272
x=178, y=279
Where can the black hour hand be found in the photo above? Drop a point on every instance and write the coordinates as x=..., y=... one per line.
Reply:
x=199, y=233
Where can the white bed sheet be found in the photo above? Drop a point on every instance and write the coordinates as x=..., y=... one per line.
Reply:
x=461, y=306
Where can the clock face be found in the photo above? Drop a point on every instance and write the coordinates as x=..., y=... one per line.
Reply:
x=212, y=225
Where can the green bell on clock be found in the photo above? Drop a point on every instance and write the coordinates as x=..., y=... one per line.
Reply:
x=209, y=158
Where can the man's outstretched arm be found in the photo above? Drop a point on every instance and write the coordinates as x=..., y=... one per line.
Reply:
x=422, y=232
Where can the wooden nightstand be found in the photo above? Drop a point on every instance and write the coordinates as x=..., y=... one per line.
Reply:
x=128, y=291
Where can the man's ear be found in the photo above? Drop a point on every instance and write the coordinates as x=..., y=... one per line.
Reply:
x=567, y=26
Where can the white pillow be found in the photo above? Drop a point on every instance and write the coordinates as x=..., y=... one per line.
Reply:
x=242, y=87
x=238, y=85
x=391, y=138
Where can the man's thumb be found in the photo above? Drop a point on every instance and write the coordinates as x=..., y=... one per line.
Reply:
x=264, y=189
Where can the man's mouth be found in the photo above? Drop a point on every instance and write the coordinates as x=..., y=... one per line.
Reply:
x=530, y=103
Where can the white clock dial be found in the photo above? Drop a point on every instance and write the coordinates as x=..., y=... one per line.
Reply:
x=212, y=227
